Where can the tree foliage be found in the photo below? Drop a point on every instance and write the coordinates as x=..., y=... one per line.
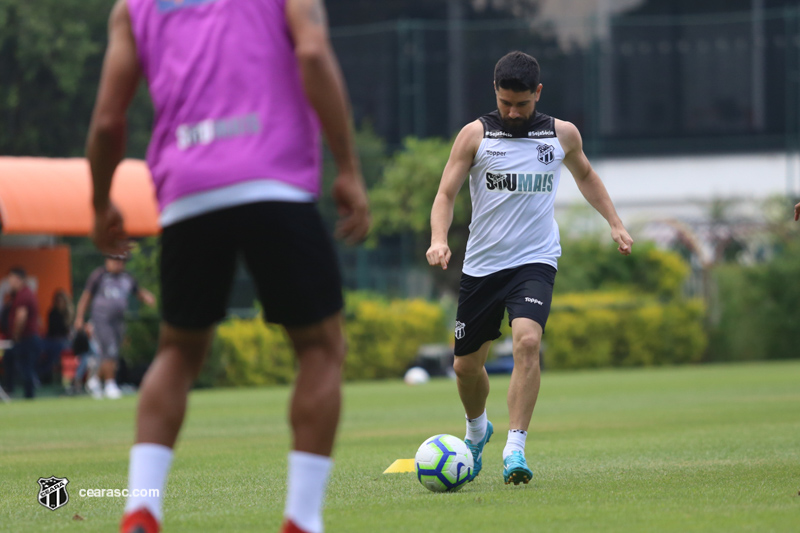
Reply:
x=588, y=264
x=51, y=54
x=758, y=311
x=402, y=201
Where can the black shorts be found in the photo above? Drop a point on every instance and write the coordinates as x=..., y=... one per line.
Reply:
x=284, y=245
x=526, y=291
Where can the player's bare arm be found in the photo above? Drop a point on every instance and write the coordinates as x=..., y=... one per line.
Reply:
x=146, y=297
x=590, y=184
x=80, y=311
x=797, y=212
x=325, y=89
x=455, y=172
x=105, y=146
x=20, y=318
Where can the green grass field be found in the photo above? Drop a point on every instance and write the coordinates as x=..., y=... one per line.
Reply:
x=713, y=448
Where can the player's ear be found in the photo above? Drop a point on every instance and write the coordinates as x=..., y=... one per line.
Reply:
x=538, y=93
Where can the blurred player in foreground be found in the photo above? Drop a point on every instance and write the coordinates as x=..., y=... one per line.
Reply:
x=513, y=157
x=240, y=89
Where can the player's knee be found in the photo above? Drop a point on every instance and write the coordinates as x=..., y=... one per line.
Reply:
x=467, y=367
x=338, y=350
x=526, y=346
x=325, y=337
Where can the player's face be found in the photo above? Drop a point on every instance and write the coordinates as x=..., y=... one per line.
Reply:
x=15, y=282
x=516, y=108
x=115, y=266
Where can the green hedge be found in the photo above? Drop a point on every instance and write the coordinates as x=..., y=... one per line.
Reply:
x=757, y=309
x=584, y=330
x=599, y=329
x=383, y=337
x=620, y=329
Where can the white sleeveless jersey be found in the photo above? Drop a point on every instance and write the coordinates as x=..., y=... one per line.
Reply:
x=513, y=183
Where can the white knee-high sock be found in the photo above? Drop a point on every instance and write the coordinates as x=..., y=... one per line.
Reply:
x=516, y=442
x=476, y=428
x=308, y=477
x=147, y=477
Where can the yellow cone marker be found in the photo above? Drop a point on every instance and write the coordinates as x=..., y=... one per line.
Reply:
x=401, y=466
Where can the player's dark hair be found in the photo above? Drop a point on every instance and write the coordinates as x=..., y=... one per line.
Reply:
x=18, y=271
x=517, y=71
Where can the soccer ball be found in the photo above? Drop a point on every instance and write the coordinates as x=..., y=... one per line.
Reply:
x=416, y=376
x=444, y=463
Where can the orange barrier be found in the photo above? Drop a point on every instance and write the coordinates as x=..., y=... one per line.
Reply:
x=53, y=197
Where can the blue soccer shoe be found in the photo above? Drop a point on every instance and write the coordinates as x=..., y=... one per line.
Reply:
x=477, y=450
x=515, y=469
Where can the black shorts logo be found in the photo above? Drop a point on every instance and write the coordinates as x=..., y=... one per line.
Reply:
x=460, y=329
x=53, y=492
x=546, y=153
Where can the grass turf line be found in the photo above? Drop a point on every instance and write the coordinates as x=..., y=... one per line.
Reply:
x=689, y=449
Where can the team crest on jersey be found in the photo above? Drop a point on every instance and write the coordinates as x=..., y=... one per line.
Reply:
x=53, y=492
x=460, y=329
x=546, y=153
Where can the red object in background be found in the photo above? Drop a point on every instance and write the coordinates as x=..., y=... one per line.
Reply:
x=50, y=267
x=69, y=365
x=25, y=298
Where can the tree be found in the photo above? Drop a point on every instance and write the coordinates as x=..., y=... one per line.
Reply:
x=401, y=203
x=51, y=53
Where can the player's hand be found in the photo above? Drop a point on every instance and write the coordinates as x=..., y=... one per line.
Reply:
x=621, y=237
x=439, y=254
x=797, y=212
x=109, y=232
x=350, y=196
x=78, y=325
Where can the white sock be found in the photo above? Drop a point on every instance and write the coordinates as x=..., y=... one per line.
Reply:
x=476, y=428
x=515, y=443
x=148, y=472
x=308, y=476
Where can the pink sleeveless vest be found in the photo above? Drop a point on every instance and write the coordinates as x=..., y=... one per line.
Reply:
x=229, y=102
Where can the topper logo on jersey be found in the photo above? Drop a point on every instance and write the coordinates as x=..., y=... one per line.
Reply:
x=520, y=183
x=546, y=153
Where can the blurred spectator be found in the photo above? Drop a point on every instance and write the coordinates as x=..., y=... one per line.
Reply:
x=5, y=312
x=85, y=348
x=797, y=211
x=59, y=320
x=107, y=290
x=23, y=326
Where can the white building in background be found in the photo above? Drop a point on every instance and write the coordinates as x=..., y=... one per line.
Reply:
x=674, y=198
x=653, y=188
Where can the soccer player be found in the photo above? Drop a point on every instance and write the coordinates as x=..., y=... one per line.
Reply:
x=513, y=157
x=107, y=291
x=797, y=212
x=240, y=90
